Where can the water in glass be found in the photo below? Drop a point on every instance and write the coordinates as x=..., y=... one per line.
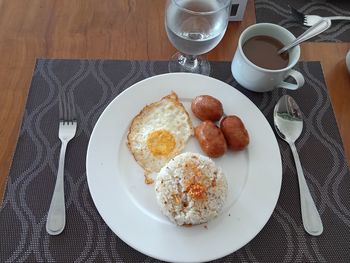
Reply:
x=194, y=27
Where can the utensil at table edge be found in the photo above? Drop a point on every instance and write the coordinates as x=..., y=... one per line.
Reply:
x=56, y=217
x=347, y=60
x=318, y=28
x=288, y=123
x=310, y=20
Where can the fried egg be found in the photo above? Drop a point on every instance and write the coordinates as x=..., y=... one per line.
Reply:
x=158, y=133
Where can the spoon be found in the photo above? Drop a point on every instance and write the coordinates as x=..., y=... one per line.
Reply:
x=289, y=125
x=316, y=29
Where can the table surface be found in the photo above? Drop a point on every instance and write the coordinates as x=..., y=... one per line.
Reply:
x=124, y=29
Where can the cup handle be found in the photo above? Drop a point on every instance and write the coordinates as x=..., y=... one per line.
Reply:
x=299, y=78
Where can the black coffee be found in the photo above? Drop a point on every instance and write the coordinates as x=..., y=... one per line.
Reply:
x=262, y=51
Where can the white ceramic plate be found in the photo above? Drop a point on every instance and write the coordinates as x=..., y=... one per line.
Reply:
x=128, y=205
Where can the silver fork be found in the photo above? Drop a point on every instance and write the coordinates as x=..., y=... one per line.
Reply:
x=310, y=20
x=56, y=218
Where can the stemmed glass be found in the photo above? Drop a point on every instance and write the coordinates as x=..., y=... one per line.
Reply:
x=195, y=27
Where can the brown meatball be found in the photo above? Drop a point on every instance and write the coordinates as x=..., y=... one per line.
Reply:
x=206, y=107
x=235, y=133
x=211, y=139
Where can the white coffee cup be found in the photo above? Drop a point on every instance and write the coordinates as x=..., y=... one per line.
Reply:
x=258, y=79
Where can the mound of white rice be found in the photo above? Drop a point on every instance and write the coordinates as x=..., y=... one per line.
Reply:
x=190, y=189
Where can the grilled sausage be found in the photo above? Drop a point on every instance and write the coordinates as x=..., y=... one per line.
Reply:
x=235, y=133
x=206, y=107
x=211, y=139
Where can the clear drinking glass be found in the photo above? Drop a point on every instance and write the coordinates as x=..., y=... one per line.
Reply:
x=195, y=27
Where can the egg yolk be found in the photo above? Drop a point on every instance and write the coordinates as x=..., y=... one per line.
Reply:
x=161, y=142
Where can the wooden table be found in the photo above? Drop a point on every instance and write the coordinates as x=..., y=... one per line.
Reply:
x=116, y=29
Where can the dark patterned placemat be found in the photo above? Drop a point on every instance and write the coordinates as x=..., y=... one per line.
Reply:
x=278, y=12
x=87, y=238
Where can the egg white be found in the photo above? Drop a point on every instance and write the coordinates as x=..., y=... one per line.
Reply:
x=167, y=114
